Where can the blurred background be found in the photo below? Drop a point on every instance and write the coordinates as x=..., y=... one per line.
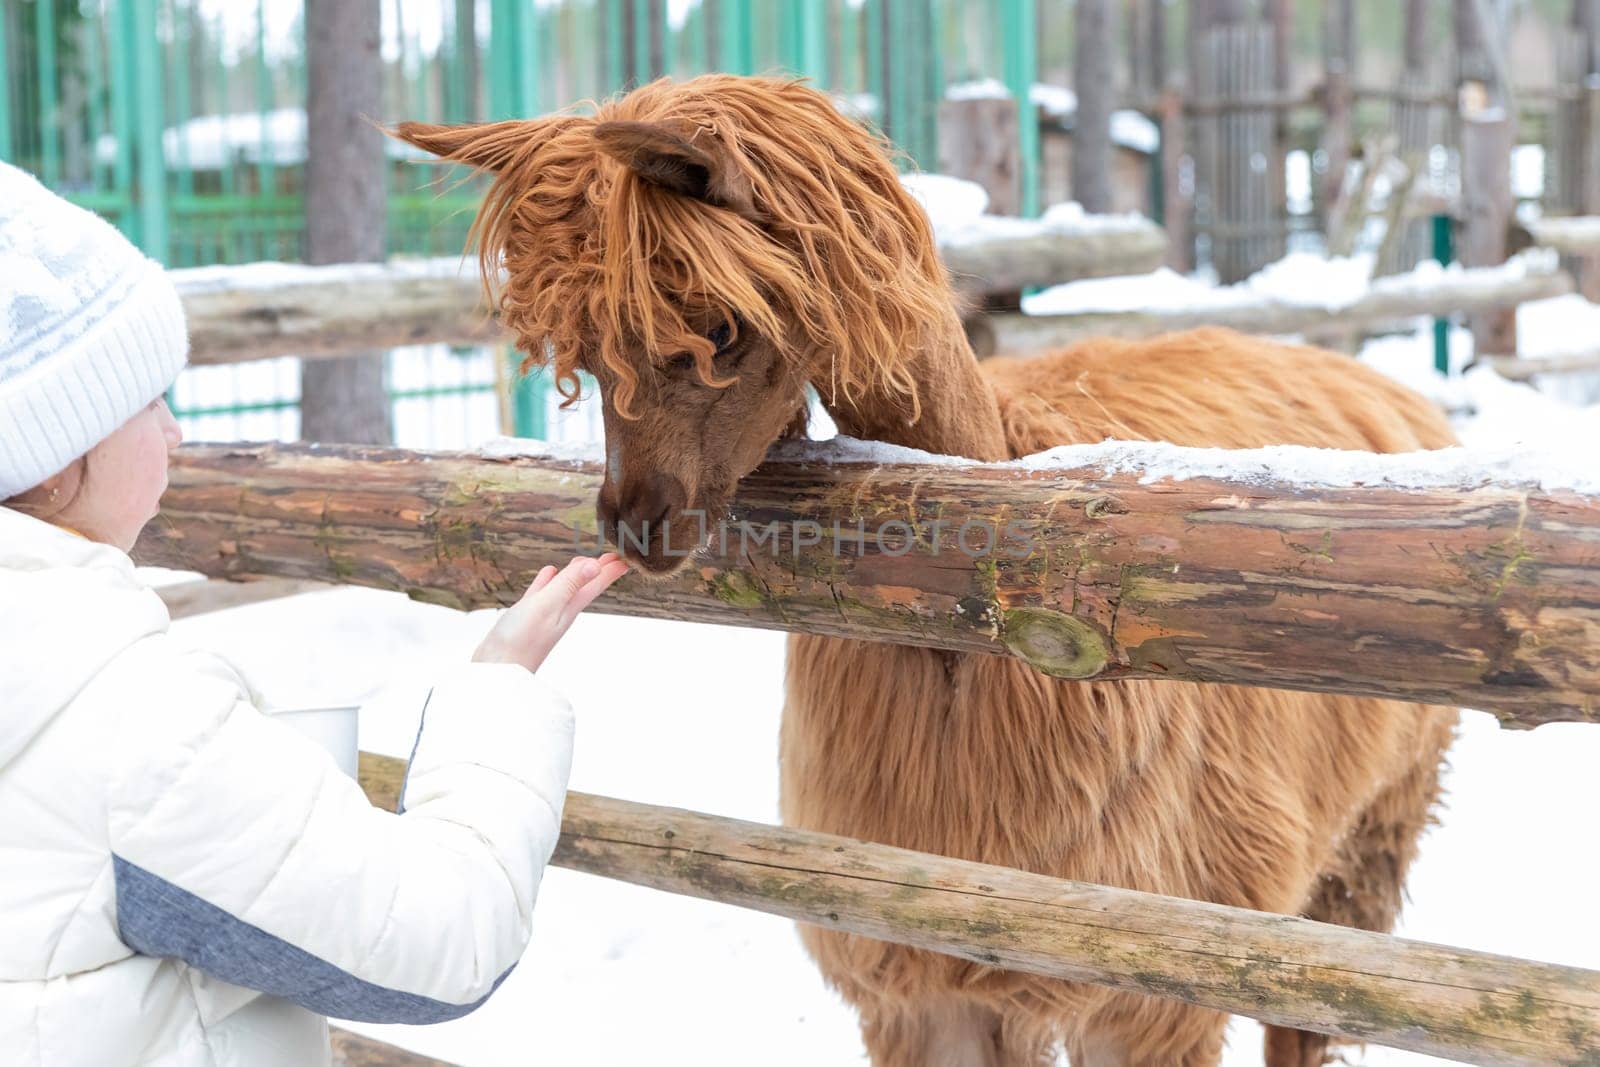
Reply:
x=1245, y=128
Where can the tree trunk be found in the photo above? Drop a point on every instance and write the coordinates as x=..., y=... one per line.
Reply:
x=346, y=183
x=1094, y=78
x=1487, y=596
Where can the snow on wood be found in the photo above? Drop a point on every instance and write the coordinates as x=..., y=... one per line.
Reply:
x=354, y=1050
x=1299, y=295
x=261, y=310
x=1481, y=593
x=1434, y=999
x=1573, y=236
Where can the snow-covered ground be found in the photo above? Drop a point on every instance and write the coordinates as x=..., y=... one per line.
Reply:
x=686, y=715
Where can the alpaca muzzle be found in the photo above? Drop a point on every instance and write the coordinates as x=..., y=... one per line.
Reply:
x=646, y=521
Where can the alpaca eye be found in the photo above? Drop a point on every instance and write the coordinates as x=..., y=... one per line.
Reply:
x=682, y=363
x=721, y=337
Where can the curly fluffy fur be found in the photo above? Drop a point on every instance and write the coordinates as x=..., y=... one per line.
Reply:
x=625, y=232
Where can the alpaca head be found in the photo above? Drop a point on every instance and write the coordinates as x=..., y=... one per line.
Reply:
x=703, y=249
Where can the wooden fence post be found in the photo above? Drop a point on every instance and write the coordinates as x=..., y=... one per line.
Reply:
x=1093, y=72
x=978, y=141
x=1486, y=142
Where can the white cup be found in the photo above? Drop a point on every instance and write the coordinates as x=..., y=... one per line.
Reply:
x=332, y=728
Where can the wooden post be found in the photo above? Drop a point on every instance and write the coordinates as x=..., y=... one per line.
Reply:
x=1094, y=79
x=1280, y=15
x=1486, y=142
x=1486, y=596
x=1589, y=190
x=1581, y=132
x=978, y=141
x=1178, y=212
x=1339, y=62
x=352, y=1050
x=346, y=188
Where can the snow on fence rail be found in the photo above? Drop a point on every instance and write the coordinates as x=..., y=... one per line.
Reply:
x=1309, y=308
x=1425, y=577
x=1433, y=999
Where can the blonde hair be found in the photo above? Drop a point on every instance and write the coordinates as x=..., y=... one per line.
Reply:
x=832, y=256
x=47, y=504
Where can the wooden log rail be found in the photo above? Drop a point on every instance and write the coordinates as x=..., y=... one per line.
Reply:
x=1573, y=235
x=1464, y=291
x=1486, y=596
x=1469, y=1006
x=261, y=310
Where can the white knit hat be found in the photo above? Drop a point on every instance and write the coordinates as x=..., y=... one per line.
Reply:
x=91, y=331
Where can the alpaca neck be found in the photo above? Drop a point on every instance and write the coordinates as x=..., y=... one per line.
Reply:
x=959, y=415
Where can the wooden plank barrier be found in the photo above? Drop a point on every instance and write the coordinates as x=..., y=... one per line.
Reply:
x=260, y=311
x=1432, y=999
x=353, y=1050
x=1463, y=291
x=1483, y=595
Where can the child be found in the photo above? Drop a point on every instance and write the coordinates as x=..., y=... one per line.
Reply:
x=182, y=879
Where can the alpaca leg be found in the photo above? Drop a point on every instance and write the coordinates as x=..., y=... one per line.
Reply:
x=952, y=1033
x=1141, y=1032
x=1365, y=886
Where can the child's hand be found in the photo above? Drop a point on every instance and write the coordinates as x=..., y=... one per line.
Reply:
x=530, y=628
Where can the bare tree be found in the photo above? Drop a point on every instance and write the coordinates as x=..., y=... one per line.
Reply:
x=344, y=399
x=1094, y=79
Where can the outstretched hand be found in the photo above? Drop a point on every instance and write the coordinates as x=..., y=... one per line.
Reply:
x=530, y=628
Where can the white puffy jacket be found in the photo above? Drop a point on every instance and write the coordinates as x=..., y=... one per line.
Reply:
x=185, y=881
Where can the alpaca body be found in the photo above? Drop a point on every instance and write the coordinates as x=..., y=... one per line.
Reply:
x=1277, y=801
x=705, y=250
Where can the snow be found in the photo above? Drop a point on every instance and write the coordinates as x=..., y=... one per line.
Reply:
x=276, y=275
x=956, y=209
x=1294, y=465
x=687, y=715
x=555, y=451
x=1300, y=279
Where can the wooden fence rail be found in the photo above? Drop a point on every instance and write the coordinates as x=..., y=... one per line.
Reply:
x=261, y=310
x=1463, y=291
x=1482, y=595
x=237, y=314
x=1432, y=999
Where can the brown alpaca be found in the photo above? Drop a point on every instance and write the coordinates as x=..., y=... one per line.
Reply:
x=705, y=250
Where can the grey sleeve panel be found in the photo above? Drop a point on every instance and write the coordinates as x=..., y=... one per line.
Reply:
x=157, y=918
x=405, y=780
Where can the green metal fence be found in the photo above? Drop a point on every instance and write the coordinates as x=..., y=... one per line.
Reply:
x=183, y=121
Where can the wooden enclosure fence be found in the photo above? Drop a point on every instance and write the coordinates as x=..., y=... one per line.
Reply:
x=1482, y=595
x=262, y=310
x=238, y=314
x=1470, y=1006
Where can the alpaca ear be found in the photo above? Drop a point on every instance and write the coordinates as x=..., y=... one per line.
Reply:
x=662, y=157
x=485, y=145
